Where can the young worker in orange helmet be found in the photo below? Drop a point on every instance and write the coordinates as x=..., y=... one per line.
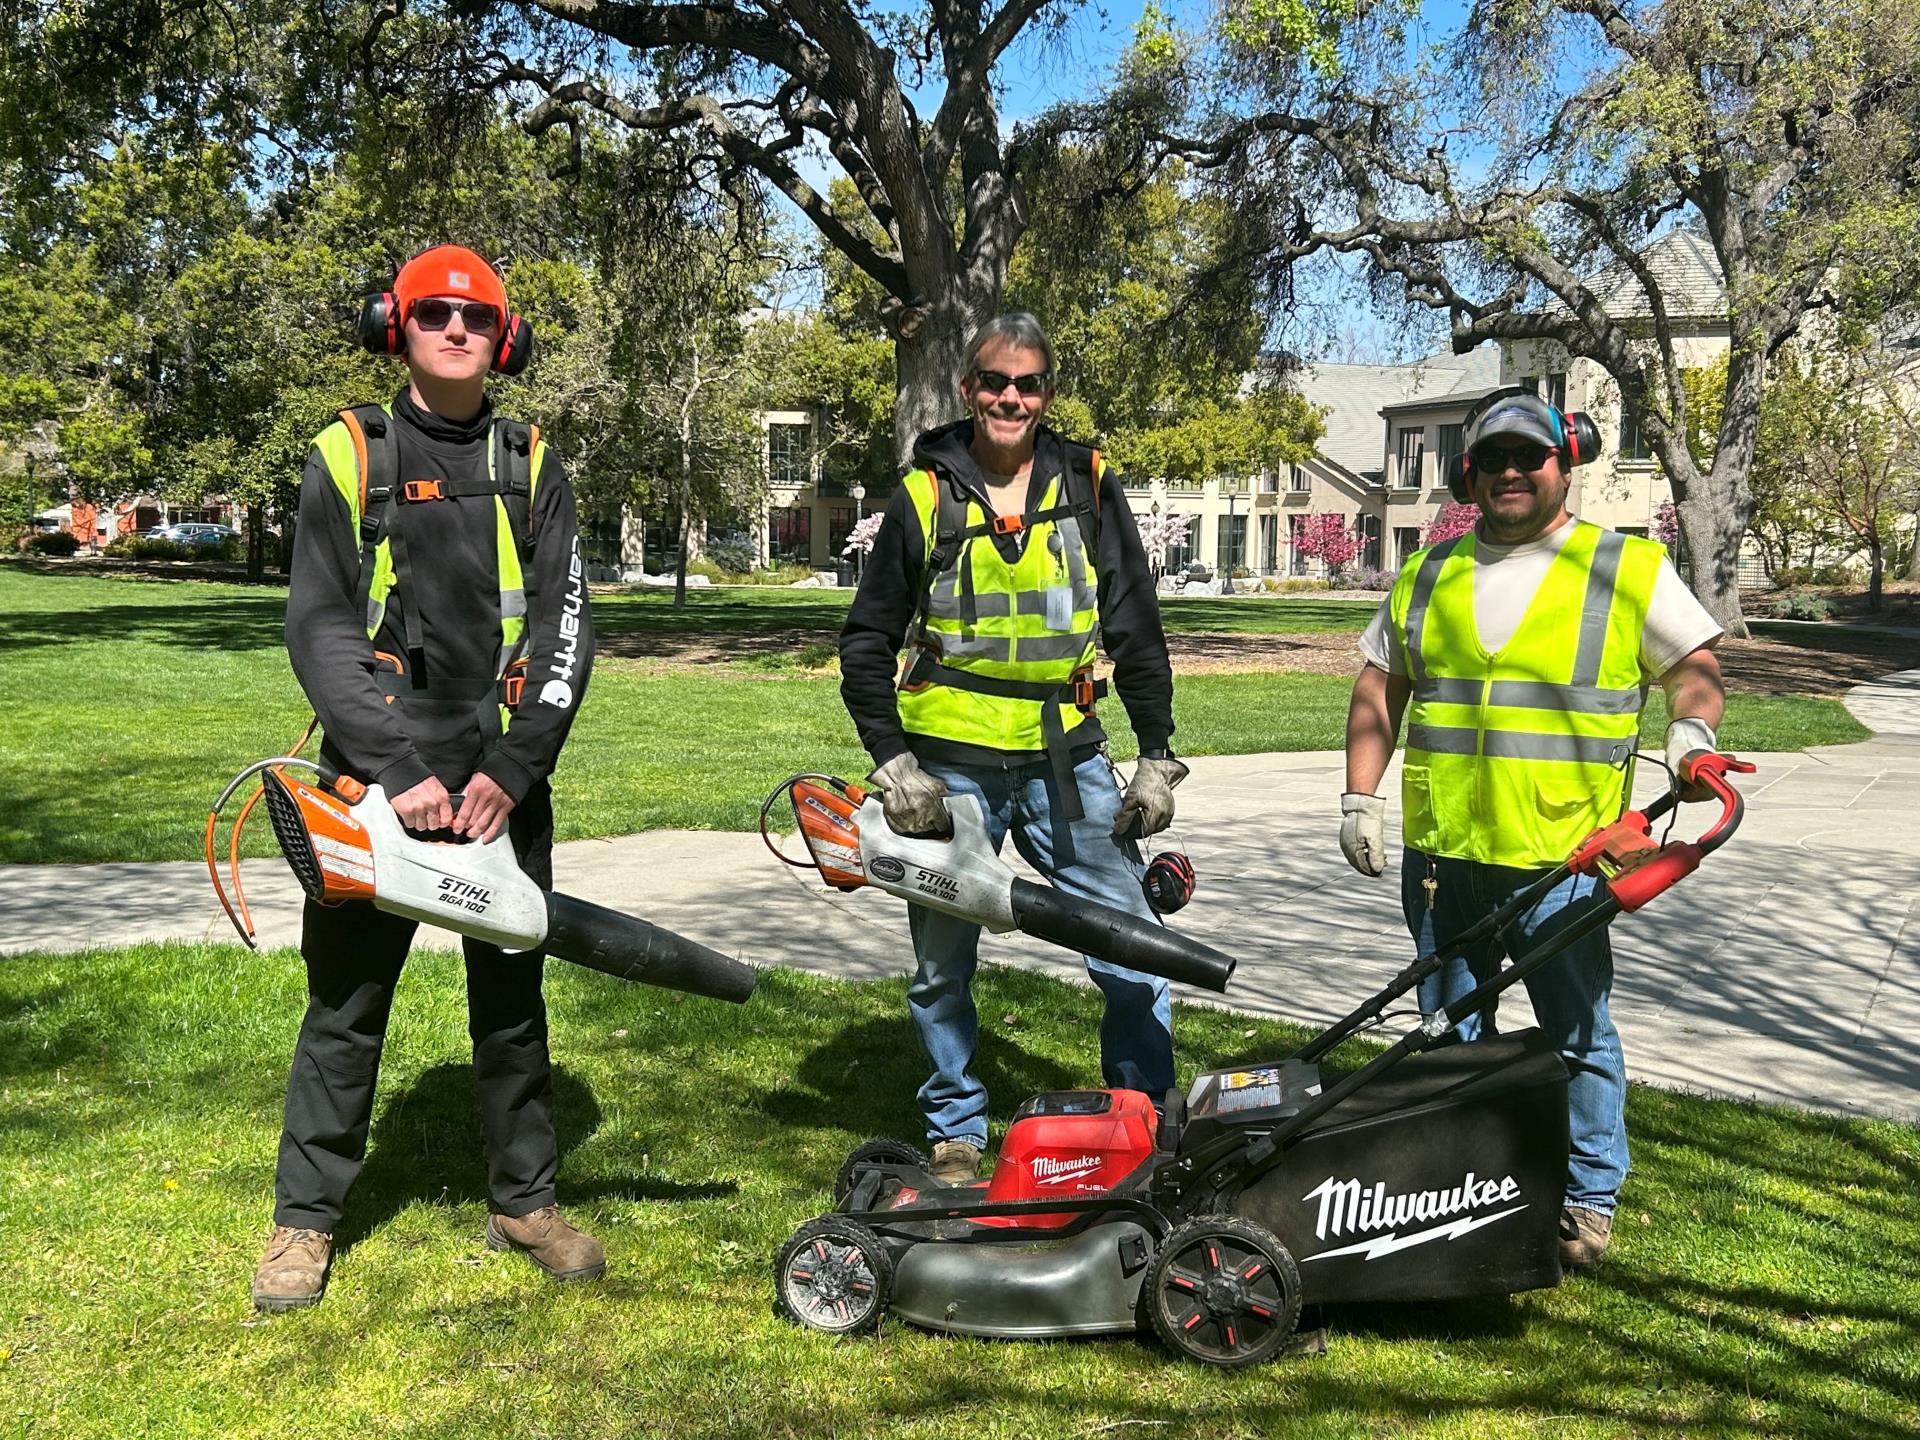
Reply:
x=437, y=619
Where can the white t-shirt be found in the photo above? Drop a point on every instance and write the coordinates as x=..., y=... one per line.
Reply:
x=1505, y=579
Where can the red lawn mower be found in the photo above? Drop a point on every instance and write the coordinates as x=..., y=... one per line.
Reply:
x=1431, y=1172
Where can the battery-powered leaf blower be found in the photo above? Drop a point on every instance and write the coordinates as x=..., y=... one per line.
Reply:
x=345, y=842
x=851, y=845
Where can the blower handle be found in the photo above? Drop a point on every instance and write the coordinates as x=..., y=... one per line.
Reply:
x=1117, y=937
x=633, y=949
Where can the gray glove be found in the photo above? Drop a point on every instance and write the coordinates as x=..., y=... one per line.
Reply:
x=915, y=802
x=1363, y=825
x=1148, y=802
x=1686, y=738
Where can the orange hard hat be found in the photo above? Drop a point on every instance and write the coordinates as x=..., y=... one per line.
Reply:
x=449, y=270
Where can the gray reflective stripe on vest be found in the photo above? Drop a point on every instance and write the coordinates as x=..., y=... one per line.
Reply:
x=943, y=601
x=512, y=603
x=1423, y=583
x=1532, y=695
x=1054, y=647
x=971, y=645
x=1520, y=745
x=1601, y=579
x=1069, y=531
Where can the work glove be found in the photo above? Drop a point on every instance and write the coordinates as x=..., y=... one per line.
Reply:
x=1686, y=738
x=915, y=802
x=1147, y=807
x=1363, y=832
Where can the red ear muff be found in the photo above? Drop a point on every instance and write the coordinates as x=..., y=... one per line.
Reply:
x=514, y=351
x=1583, y=438
x=379, y=327
x=1168, y=883
x=1460, y=479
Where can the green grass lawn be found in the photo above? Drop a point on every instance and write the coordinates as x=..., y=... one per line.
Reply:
x=1762, y=1282
x=125, y=706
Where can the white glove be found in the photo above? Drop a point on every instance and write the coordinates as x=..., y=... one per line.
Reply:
x=915, y=802
x=1149, y=797
x=1363, y=826
x=1686, y=737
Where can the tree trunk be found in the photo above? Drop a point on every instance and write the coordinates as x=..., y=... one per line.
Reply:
x=680, y=560
x=256, y=544
x=927, y=365
x=1913, y=550
x=1876, y=564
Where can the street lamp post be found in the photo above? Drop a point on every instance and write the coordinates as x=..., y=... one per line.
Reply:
x=1233, y=550
x=859, y=493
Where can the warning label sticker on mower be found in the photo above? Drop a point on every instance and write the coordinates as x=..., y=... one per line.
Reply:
x=1248, y=1090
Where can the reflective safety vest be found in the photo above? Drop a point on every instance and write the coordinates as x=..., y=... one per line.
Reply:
x=1514, y=758
x=362, y=456
x=1001, y=652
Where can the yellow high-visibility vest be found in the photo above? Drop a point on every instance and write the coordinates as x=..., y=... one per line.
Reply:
x=1515, y=757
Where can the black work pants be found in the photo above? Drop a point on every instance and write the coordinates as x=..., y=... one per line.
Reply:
x=354, y=954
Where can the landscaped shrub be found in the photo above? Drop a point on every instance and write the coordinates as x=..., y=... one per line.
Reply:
x=734, y=556
x=1803, y=607
x=57, y=542
x=1371, y=580
x=1292, y=587
x=149, y=547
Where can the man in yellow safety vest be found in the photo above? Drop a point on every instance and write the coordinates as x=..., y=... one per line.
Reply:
x=1002, y=561
x=1521, y=654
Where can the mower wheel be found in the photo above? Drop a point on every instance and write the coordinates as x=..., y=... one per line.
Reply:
x=833, y=1274
x=875, y=1152
x=1224, y=1291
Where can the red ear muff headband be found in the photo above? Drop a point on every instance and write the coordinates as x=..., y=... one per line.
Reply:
x=515, y=349
x=1168, y=883
x=1579, y=440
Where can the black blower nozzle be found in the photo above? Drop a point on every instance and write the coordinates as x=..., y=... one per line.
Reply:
x=1117, y=937
x=631, y=949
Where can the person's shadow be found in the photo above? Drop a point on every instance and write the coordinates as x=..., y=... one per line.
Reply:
x=426, y=1145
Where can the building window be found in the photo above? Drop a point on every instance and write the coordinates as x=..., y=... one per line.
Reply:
x=1639, y=530
x=1297, y=563
x=1269, y=545
x=1413, y=450
x=1406, y=540
x=1231, y=543
x=1180, y=556
x=1298, y=481
x=1633, y=445
x=790, y=454
x=1452, y=446
x=839, y=526
x=1369, y=528
x=790, y=534
x=1557, y=389
x=1530, y=384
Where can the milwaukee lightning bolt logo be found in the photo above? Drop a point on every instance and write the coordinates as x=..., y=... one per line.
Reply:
x=1350, y=1207
x=1049, y=1171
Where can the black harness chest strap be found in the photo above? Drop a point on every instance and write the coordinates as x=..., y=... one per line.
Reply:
x=1081, y=692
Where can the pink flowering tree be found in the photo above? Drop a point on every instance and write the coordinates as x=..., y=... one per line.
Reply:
x=860, y=539
x=1328, y=539
x=1666, y=524
x=1161, y=533
x=1453, y=519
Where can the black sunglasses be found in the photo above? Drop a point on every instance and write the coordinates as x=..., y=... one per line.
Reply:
x=995, y=382
x=1494, y=459
x=437, y=314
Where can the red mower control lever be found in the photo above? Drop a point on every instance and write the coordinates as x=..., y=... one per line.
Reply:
x=1636, y=869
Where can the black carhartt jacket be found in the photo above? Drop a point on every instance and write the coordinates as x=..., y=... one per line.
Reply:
x=454, y=587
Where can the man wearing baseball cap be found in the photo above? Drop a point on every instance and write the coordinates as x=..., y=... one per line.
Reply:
x=437, y=620
x=1521, y=654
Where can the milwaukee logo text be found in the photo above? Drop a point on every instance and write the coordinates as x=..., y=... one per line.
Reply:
x=1351, y=1207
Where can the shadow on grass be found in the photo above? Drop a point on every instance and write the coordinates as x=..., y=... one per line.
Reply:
x=187, y=619
x=426, y=1145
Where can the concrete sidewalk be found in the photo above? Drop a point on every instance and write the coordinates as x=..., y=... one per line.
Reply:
x=1787, y=970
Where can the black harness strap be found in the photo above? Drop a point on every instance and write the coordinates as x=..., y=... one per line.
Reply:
x=382, y=500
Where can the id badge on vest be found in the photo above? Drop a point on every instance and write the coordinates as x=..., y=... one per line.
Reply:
x=1059, y=597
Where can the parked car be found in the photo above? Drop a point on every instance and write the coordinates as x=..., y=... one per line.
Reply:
x=194, y=533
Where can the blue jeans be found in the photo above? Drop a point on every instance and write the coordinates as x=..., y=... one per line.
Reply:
x=1081, y=858
x=1569, y=995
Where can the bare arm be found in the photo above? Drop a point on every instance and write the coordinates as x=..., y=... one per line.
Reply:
x=1373, y=724
x=1694, y=689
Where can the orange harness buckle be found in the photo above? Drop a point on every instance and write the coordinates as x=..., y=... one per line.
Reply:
x=1009, y=524
x=416, y=491
x=1083, y=693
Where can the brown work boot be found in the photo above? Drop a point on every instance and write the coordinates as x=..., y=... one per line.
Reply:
x=1584, y=1236
x=293, y=1272
x=955, y=1162
x=551, y=1241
